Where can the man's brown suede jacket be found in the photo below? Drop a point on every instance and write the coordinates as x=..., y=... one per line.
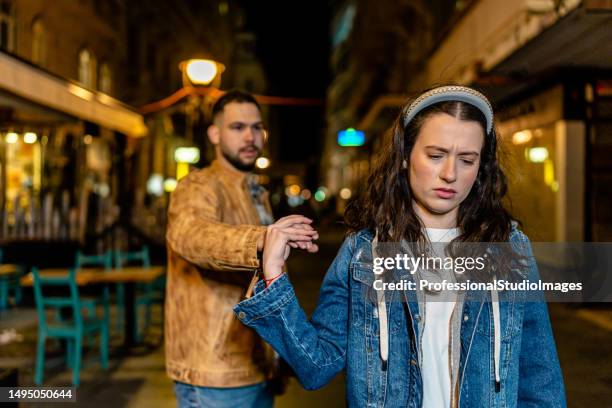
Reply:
x=213, y=228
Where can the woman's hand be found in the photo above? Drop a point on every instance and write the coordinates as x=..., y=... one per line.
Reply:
x=293, y=231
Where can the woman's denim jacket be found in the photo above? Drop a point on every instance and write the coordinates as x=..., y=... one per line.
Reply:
x=343, y=334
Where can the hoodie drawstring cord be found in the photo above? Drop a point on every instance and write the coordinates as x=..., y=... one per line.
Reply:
x=382, y=318
x=384, y=330
x=497, y=337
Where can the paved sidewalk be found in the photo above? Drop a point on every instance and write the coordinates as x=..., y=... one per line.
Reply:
x=140, y=380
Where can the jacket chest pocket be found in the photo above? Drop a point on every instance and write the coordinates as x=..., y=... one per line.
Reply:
x=364, y=308
x=510, y=312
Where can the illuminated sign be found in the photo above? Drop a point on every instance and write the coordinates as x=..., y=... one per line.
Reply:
x=351, y=137
x=189, y=155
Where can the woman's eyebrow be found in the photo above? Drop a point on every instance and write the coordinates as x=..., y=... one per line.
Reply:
x=440, y=148
x=445, y=150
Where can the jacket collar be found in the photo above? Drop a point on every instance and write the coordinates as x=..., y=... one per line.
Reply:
x=228, y=172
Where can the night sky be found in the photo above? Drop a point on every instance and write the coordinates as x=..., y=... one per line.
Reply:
x=293, y=46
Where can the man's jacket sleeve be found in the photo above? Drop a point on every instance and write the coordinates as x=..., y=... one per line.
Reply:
x=196, y=234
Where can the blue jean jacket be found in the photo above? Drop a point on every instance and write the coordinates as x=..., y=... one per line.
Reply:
x=343, y=334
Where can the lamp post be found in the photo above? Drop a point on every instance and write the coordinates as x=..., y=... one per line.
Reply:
x=201, y=77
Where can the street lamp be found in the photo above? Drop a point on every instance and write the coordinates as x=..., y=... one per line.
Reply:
x=202, y=72
x=201, y=81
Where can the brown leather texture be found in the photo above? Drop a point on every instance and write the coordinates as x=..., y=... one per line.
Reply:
x=213, y=228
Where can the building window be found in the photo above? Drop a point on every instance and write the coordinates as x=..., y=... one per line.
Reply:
x=87, y=68
x=106, y=80
x=6, y=25
x=39, y=42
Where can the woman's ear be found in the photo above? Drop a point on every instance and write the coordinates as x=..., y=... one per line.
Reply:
x=213, y=134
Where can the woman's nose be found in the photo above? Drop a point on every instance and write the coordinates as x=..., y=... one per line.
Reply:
x=448, y=172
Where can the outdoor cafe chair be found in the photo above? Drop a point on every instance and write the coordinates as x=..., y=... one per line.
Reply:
x=92, y=302
x=9, y=283
x=73, y=330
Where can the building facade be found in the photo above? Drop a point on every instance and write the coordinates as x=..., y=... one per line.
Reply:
x=63, y=130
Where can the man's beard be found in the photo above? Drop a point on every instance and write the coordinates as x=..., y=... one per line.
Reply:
x=237, y=163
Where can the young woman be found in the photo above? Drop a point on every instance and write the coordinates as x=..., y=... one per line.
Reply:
x=437, y=181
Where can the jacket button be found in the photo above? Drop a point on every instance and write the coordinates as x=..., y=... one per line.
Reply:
x=241, y=315
x=417, y=318
x=413, y=362
x=466, y=318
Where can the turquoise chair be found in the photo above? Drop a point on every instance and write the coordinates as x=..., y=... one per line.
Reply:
x=72, y=330
x=148, y=293
x=106, y=261
x=4, y=292
x=142, y=257
x=4, y=287
x=8, y=284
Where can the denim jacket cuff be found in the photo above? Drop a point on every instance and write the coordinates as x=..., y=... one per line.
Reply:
x=265, y=300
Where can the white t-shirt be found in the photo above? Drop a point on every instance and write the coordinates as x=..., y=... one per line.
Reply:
x=435, y=367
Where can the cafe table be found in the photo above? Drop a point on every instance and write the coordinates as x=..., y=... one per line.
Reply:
x=8, y=269
x=128, y=275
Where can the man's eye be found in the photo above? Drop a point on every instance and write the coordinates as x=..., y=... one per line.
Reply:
x=435, y=156
x=468, y=162
x=238, y=127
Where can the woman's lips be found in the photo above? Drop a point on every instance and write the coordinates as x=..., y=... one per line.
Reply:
x=445, y=193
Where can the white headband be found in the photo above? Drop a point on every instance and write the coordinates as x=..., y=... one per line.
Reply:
x=451, y=93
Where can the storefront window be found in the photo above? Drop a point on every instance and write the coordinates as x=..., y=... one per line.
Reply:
x=531, y=168
x=23, y=172
x=545, y=168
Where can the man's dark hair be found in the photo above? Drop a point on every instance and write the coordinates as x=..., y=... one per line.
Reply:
x=232, y=96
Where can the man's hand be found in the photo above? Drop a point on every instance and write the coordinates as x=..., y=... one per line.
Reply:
x=293, y=231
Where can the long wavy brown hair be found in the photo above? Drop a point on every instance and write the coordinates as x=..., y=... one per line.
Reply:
x=386, y=203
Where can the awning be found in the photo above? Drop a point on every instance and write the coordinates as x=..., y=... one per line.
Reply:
x=581, y=41
x=34, y=84
x=582, y=38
